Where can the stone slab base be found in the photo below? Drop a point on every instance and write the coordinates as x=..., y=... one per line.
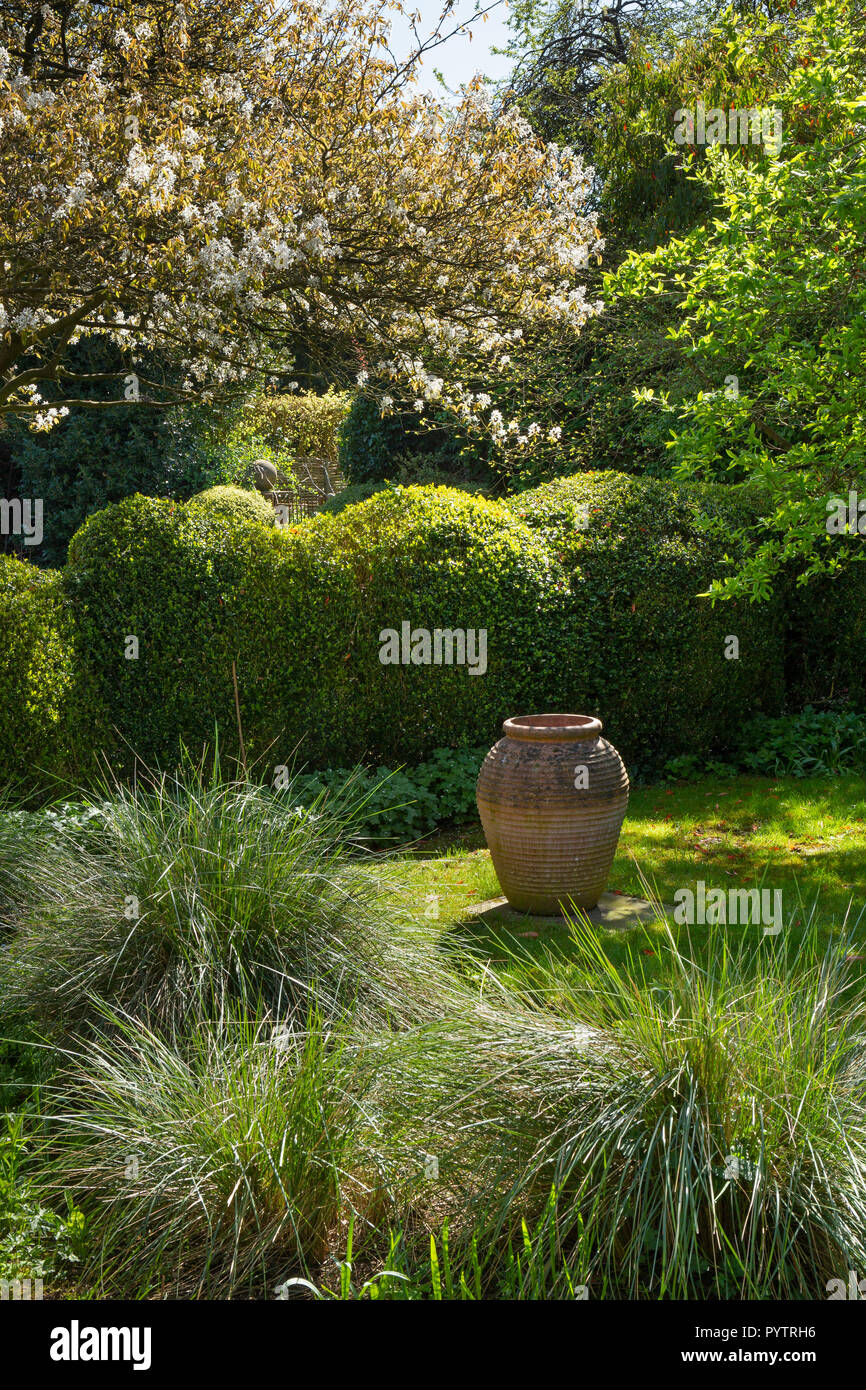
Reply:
x=615, y=911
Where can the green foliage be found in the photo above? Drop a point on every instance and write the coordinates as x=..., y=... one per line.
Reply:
x=36, y=675
x=300, y=611
x=301, y=425
x=530, y=1267
x=348, y=496
x=35, y=1242
x=695, y=368
x=201, y=593
x=25, y=1064
x=404, y=444
x=811, y=744
x=686, y=1128
x=407, y=471
x=771, y=293
x=584, y=388
x=282, y=429
x=436, y=558
x=401, y=805
x=603, y=620
x=235, y=503
x=641, y=650
x=99, y=455
x=826, y=659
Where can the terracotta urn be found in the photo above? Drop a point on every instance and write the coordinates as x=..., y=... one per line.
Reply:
x=552, y=796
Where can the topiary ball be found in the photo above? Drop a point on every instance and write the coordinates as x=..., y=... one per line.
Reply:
x=235, y=503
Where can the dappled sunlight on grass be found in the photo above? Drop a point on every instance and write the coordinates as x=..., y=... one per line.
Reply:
x=804, y=837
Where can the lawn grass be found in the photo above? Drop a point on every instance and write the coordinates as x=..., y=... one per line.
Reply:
x=805, y=837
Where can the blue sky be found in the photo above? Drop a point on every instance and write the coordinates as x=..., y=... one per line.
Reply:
x=459, y=59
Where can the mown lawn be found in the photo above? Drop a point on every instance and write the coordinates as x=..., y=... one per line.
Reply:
x=805, y=837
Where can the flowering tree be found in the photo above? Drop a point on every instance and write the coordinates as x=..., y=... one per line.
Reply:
x=217, y=179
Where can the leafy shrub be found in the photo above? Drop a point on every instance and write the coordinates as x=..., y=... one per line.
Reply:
x=348, y=496
x=304, y=424
x=401, y=805
x=643, y=651
x=97, y=456
x=393, y=805
x=201, y=593
x=372, y=444
x=810, y=744
x=235, y=503
x=37, y=671
x=792, y=340
x=603, y=619
x=405, y=471
x=35, y=1242
x=299, y=611
x=437, y=558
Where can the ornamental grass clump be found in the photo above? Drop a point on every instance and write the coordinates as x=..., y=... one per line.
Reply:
x=199, y=893
x=709, y=1140
x=702, y=1135
x=212, y=1165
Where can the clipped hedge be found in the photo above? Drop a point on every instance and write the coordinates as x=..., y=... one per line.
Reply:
x=348, y=496
x=437, y=558
x=235, y=503
x=643, y=651
x=304, y=424
x=602, y=619
x=36, y=676
x=200, y=592
x=300, y=611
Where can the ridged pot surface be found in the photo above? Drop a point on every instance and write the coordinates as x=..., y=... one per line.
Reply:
x=552, y=795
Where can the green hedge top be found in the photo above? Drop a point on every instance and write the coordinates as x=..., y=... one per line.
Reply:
x=236, y=503
x=620, y=504
x=603, y=620
x=304, y=424
x=647, y=654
